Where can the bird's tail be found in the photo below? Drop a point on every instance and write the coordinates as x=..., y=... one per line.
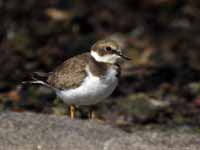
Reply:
x=37, y=78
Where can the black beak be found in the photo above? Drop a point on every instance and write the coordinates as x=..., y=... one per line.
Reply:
x=123, y=56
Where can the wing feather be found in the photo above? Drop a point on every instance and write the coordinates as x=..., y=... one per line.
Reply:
x=70, y=74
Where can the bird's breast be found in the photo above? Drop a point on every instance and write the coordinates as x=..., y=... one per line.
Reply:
x=92, y=90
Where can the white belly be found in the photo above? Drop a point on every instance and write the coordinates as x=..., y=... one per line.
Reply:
x=92, y=90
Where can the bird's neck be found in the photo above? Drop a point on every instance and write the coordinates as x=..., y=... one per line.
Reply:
x=99, y=68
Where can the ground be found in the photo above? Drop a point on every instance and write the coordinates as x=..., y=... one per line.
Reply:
x=31, y=131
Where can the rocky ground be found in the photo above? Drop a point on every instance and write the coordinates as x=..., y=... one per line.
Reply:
x=30, y=131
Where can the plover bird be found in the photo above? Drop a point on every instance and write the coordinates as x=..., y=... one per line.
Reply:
x=85, y=79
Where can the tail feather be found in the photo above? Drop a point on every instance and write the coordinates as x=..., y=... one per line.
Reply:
x=34, y=82
x=38, y=78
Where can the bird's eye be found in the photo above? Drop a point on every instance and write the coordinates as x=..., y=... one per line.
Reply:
x=108, y=48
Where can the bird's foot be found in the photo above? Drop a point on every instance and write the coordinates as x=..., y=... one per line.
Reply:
x=72, y=111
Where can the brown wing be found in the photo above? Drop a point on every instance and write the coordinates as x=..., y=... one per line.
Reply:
x=70, y=74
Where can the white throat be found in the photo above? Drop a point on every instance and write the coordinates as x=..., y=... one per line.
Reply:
x=109, y=58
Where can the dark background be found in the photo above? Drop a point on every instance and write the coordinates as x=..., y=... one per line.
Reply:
x=161, y=85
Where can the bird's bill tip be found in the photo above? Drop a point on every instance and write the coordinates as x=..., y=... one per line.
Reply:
x=125, y=57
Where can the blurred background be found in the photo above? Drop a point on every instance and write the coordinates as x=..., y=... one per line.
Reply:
x=160, y=86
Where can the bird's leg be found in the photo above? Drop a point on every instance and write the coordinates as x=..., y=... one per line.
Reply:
x=92, y=113
x=72, y=110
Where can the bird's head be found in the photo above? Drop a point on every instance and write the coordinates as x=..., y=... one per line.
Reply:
x=107, y=51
